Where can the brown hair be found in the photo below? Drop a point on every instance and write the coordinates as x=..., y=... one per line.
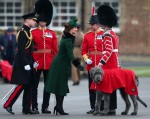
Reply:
x=67, y=27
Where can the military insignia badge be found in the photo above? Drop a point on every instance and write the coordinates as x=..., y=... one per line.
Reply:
x=133, y=90
x=49, y=35
x=99, y=37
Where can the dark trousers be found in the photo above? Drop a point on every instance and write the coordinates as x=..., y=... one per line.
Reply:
x=15, y=94
x=92, y=94
x=92, y=97
x=46, y=95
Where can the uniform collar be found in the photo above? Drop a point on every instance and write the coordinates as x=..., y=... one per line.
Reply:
x=98, y=30
x=26, y=27
x=41, y=28
x=67, y=34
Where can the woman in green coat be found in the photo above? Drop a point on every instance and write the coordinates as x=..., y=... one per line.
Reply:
x=57, y=79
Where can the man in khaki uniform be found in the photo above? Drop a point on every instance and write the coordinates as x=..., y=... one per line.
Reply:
x=75, y=73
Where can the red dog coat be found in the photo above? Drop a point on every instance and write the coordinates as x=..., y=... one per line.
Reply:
x=117, y=78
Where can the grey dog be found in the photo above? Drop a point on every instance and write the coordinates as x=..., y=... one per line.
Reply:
x=97, y=74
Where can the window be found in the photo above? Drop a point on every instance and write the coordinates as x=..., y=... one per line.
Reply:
x=114, y=4
x=64, y=10
x=10, y=13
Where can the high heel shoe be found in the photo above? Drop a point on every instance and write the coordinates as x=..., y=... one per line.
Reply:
x=59, y=111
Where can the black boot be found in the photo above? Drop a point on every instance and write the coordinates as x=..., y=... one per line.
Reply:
x=58, y=109
x=29, y=111
x=46, y=111
x=35, y=110
x=46, y=98
x=9, y=109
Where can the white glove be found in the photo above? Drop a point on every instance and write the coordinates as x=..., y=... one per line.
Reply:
x=27, y=67
x=35, y=64
x=100, y=64
x=88, y=61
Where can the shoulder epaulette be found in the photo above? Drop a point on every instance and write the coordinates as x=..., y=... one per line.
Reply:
x=19, y=33
x=88, y=32
x=29, y=38
x=107, y=33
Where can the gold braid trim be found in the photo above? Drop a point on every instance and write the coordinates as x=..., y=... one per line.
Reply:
x=29, y=38
x=17, y=36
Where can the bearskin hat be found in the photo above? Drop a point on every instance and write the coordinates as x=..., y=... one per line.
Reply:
x=44, y=11
x=106, y=16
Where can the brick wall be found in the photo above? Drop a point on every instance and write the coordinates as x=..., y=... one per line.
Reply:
x=135, y=27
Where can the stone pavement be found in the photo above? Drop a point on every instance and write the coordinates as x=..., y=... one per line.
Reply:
x=76, y=103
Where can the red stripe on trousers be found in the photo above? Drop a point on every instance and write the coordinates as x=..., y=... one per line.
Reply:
x=12, y=96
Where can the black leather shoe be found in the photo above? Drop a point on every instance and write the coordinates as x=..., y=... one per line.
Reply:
x=46, y=111
x=35, y=110
x=9, y=109
x=91, y=111
x=112, y=112
x=28, y=112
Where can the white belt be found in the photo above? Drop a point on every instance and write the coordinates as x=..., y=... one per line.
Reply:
x=115, y=50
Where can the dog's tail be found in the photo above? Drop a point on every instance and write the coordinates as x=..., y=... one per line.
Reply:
x=141, y=101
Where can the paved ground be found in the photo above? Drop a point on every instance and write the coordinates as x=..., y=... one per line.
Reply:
x=77, y=103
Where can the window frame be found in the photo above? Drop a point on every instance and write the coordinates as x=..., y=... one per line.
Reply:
x=57, y=13
x=12, y=14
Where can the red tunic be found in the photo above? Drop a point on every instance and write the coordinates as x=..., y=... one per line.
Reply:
x=92, y=47
x=110, y=47
x=117, y=78
x=46, y=47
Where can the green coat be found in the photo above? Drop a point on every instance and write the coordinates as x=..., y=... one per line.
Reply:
x=57, y=79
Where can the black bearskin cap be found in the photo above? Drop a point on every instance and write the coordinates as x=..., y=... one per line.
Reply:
x=106, y=16
x=44, y=11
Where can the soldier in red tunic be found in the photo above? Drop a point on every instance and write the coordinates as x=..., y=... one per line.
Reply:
x=110, y=59
x=45, y=49
x=92, y=53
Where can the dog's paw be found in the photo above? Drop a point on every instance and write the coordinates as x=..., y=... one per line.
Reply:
x=103, y=113
x=124, y=113
x=95, y=113
x=134, y=113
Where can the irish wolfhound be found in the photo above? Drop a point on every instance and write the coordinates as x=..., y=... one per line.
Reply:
x=106, y=81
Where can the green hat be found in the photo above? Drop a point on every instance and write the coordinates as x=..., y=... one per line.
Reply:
x=73, y=23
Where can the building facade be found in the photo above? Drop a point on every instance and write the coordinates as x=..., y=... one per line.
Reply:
x=133, y=19
x=135, y=27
